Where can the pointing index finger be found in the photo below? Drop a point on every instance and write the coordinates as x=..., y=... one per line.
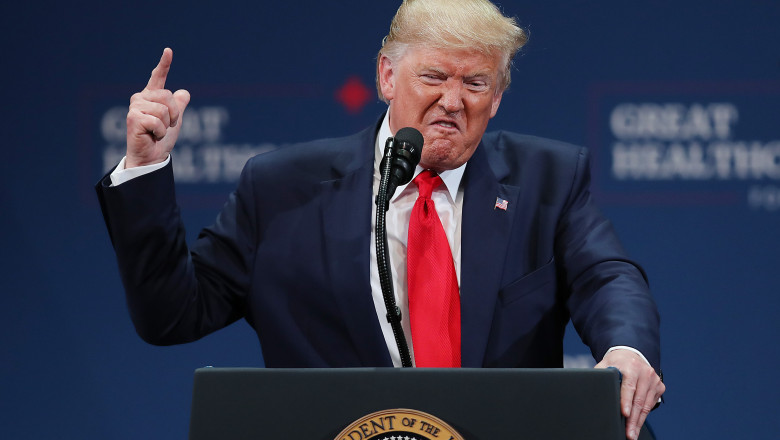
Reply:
x=160, y=73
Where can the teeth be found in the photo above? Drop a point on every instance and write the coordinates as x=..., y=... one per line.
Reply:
x=447, y=124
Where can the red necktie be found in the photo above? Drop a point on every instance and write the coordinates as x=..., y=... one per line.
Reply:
x=434, y=298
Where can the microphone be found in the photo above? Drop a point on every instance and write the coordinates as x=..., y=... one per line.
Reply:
x=404, y=152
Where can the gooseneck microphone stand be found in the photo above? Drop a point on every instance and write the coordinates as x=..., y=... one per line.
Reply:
x=382, y=255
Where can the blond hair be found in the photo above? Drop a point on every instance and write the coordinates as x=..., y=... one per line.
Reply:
x=454, y=24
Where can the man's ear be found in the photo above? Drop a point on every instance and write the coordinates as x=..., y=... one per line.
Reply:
x=496, y=103
x=386, y=79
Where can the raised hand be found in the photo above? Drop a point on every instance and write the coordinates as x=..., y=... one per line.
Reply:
x=154, y=118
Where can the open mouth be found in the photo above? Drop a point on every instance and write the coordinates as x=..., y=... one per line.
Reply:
x=446, y=124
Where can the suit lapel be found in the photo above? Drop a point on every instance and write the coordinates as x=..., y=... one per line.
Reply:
x=484, y=238
x=346, y=211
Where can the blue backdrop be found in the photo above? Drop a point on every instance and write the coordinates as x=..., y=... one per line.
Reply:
x=679, y=101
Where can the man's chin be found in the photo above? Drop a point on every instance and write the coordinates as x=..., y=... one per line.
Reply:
x=441, y=164
x=441, y=155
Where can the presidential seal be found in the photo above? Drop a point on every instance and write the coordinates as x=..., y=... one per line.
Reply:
x=399, y=424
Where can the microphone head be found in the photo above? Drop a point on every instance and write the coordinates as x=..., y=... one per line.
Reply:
x=414, y=138
x=406, y=153
x=408, y=145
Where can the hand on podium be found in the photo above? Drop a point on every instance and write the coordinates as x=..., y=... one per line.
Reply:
x=640, y=388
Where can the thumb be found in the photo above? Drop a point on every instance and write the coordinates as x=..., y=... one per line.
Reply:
x=182, y=98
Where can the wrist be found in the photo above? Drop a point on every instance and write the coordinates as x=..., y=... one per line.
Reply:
x=133, y=162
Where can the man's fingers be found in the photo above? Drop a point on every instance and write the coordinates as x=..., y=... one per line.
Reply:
x=643, y=404
x=634, y=422
x=627, y=391
x=140, y=124
x=644, y=409
x=154, y=117
x=649, y=389
x=160, y=111
x=155, y=90
x=160, y=73
x=161, y=103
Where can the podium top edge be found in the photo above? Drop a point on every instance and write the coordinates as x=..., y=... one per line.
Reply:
x=393, y=370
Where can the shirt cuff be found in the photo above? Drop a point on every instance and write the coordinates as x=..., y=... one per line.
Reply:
x=631, y=349
x=121, y=174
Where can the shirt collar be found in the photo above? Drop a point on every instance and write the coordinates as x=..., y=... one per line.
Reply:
x=451, y=178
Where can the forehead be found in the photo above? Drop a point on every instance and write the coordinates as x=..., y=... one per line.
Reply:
x=466, y=62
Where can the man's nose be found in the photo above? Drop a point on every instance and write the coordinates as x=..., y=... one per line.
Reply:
x=452, y=96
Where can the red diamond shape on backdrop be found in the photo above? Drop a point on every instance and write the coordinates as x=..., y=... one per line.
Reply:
x=353, y=95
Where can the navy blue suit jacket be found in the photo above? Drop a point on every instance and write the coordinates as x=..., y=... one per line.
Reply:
x=290, y=253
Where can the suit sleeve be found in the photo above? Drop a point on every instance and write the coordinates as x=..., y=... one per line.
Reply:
x=175, y=296
x=609, y=298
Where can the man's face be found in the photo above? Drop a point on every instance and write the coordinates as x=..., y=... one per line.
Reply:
x=449, y=95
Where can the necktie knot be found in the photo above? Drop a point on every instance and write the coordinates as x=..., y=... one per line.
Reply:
x=426, y=182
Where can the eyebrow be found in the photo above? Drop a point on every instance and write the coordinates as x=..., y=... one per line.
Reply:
x=434, y=70
x=485, y=76
x=479, y=75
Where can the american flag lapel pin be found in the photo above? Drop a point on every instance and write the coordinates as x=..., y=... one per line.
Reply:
x=501, y=204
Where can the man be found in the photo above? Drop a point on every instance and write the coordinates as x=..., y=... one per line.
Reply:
x=293, y=250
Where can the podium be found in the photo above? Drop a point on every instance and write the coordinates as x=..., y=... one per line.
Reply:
x=478, y=404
